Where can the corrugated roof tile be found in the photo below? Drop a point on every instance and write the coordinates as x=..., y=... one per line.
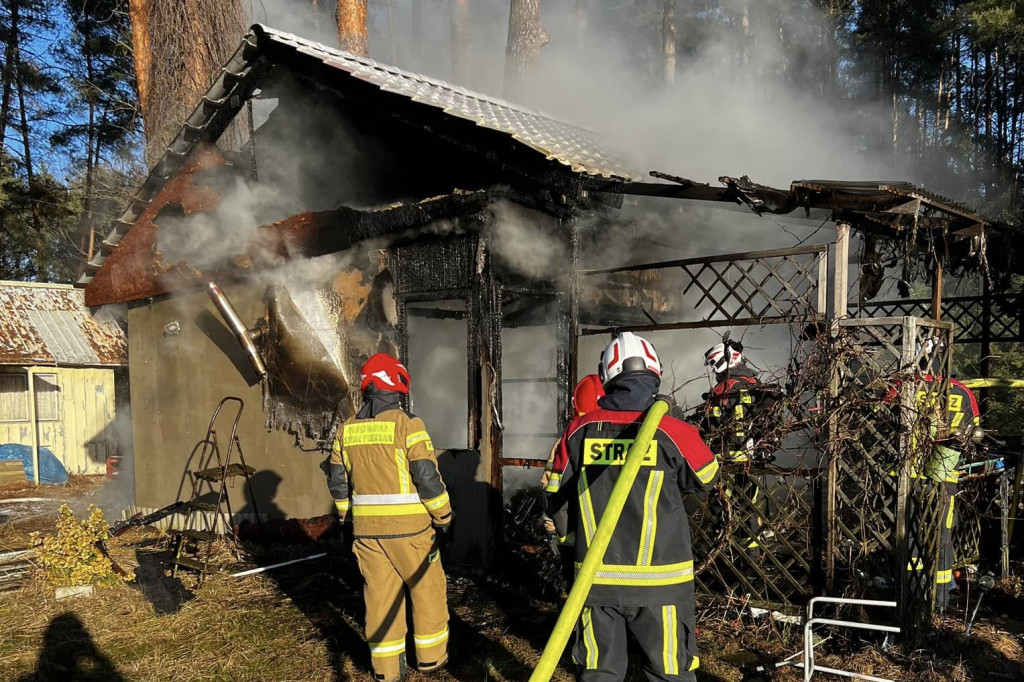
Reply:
x=49, y=324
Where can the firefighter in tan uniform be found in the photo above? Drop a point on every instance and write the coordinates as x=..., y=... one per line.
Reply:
x=383, y=473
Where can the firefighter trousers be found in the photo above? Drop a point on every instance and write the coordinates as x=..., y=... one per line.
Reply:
x=391, y=567
x=665, y=633
x=942, y=579
x=944, y=570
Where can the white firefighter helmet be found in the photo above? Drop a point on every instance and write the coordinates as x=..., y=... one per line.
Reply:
x=627, y=355
x=723, y=356
x=930, y=352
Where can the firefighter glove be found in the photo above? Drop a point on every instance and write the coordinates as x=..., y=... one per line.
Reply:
x=443, y=534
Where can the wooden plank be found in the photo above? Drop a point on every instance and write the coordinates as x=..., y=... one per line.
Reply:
x=12, y=472
x=840, y=277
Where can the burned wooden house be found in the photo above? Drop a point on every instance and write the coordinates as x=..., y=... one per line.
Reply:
x=491, y=247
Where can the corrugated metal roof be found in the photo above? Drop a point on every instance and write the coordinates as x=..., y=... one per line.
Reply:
x=48, y=324
x=583, y=150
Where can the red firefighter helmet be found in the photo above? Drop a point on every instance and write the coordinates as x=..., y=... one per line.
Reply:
x=386, y=373
x=586, y=395
x=627, y=355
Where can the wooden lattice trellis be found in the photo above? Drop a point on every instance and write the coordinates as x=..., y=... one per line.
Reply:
x=1005, y=321
x=855, y=512
x=763, y=543
x=763, y=287
x=883, y=509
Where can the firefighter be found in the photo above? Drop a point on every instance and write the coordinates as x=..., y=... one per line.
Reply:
x=730, y=410
x=382, y=471
x=960, y=424
x=584, y=401
x=645, y=584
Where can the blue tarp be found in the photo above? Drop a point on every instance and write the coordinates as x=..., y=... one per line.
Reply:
x=50, y=468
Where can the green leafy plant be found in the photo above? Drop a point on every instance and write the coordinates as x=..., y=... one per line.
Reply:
x=72, y=556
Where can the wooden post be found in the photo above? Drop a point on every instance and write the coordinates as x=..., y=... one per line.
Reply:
x=33, y=421
x=841, y=276
x=903, y=577
x=833, y=446
x=567, y=327
x=937, y=290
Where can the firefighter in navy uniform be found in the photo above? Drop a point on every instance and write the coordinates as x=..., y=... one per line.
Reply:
x=731, y=407
x=382, y=471
x=961, y=420
x=645, y=584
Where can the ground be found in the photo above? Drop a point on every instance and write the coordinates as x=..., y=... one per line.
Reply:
x=304, y=623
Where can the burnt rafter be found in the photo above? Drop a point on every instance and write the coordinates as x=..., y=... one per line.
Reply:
x=317, y=233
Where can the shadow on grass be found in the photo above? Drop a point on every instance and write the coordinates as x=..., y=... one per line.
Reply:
x=329, y=594
x=164, y=593
x=69, y=655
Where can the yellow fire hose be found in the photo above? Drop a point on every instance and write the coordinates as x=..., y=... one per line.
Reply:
x=595, y=553
x=993, y=383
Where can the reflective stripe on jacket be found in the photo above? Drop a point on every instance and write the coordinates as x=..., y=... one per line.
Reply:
x=384, y=473
x=729, y=411
x=650, y=559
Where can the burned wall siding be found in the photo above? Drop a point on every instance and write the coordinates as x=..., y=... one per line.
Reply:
x=434, y=267
x=307, y=390
x=316, y=341
x=178, y=379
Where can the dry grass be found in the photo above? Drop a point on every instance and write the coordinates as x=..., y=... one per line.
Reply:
x=77, y=486
x=234, y=629
x=306, y=625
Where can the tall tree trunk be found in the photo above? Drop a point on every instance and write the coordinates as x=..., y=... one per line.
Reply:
x=988, y=95
x=668, y=36
x=180, y=45
x=526, y=37
x=86, y=225
x=142, y=54
x=416, y=34
x=461, y=51
x=352, y=27
x=37, y=225
x=10, y=56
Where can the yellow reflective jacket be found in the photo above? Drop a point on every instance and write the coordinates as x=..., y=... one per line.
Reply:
x=384, y=473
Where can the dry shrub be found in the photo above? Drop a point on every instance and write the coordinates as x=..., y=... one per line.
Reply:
x=72, y=556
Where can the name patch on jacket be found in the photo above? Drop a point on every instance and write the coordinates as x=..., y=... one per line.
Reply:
x=612, y=452
x=369, y=433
